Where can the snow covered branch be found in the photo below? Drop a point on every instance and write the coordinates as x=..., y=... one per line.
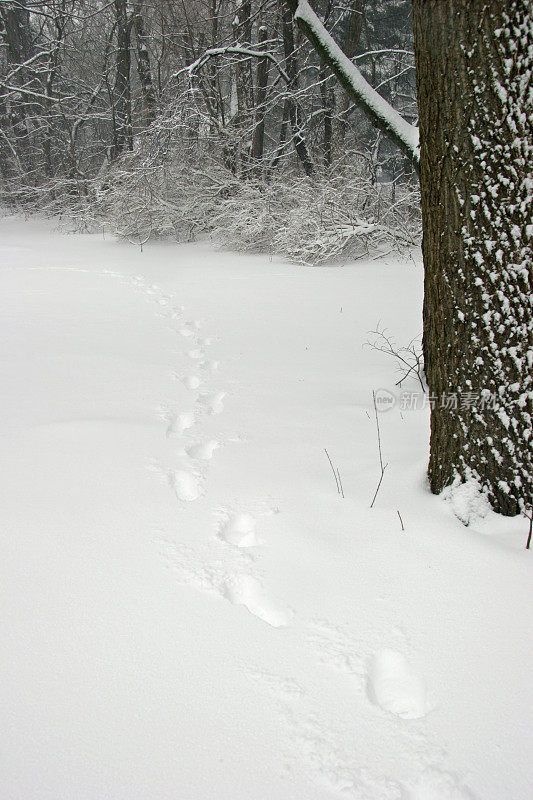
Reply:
x=233, y=50
x=380, y=112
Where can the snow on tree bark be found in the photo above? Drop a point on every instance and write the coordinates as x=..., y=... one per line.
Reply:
x=474, y=62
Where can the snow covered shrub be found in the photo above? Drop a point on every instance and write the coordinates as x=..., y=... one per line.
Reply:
x=179, y=184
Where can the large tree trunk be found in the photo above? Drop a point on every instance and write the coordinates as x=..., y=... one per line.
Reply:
x=327, y=96
x=143, y=64
x=17, y=32
x=17, y=112
x=474, y=71
x=291, y=68
x=53, y=68
x=258, y=136
x=122, y=134
x=242, y=31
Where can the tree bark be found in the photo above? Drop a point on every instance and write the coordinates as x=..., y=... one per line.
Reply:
x=327, y=96
x=242, y=29
x=17, y=146
x=474, y=77
x=143, y=64
x=295, y=114
x=123, y=136
x=258, y=137
x=18, y=39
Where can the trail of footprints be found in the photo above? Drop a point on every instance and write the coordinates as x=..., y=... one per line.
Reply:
x=225, y=567
x=231, y=578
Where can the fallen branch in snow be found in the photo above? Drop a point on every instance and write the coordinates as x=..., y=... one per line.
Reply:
x=383, y=468
x=401, y=520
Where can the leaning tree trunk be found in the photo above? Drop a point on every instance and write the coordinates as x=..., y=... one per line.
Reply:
x=378, y=110
x=474, y=61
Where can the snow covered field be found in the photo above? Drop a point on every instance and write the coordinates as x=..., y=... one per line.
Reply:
x=190, y=610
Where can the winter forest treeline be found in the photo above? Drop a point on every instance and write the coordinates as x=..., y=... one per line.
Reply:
x=280, y=126
x=188, y=118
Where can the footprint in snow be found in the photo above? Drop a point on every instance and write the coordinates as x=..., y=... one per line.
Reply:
x=395, y=686
x=336, y=647
x=205, y=567
x=185, y=484
x=238, y=529
x=191, y=382
x=282, y=688
x=436, y=784
x=213, y=403
x=193, y=324
x=210, y=366
x=247, y=591
x=197, y=354
x=186, y=331
x=179, y=423
x=332, y=764
x=204, y=451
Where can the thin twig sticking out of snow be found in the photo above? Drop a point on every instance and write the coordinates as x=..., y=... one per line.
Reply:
x=383, y=468
x=340, y=483
x=410, y=358
x=336, y=475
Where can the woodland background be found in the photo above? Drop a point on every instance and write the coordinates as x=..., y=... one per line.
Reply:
x=207, y=118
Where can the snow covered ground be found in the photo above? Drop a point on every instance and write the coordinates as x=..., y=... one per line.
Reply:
x=190, y=610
